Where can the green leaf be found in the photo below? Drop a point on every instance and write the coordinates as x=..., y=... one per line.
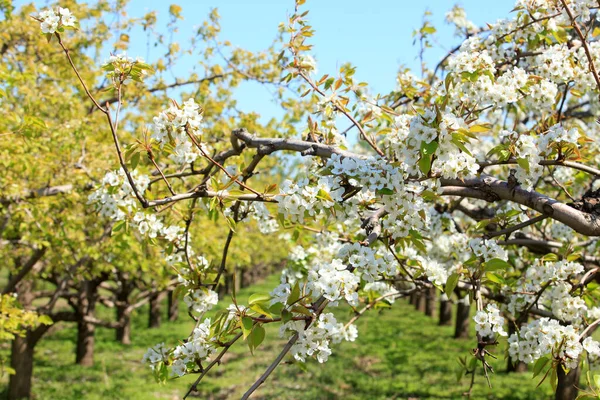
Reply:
x=247, y=324
x=286, y=316
x=256, y=337
x=451, y=283
x=276, y=308
x=8, y=370
x=301, y=309
x=448, y=81
x=550, y=257
x=523, y=163
x=429, y=148
x=495, y=264
x=554, y=378
x=425, y=164
x=539, y=365
x=479, y=128
x=385, y=191
x=258, y=298
x=329, y=82
x=597, y=380
x=259, y=309
x=294, y=295
x=495, y=278
x=118, y=226
x=45, y=320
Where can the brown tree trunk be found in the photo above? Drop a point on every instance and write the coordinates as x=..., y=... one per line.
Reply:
x=514, y=365
x=430, y=296
x=223, y=288
x=412, y=300
x=445, y=310
x=242, y=277
x=123, y=333
x=154, y=311
x=21, y=357
x=567, y=383
x=462, y=318
x=421, y=299
x=173, y=306
x=238, y=279
x=21, y=360
x=85, y=330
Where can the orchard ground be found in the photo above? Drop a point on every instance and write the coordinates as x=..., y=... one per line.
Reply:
x=397, y=357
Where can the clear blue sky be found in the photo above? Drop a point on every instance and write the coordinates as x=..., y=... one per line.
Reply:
x=375, y=36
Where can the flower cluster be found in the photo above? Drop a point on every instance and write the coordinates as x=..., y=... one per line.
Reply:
x=315, y=340
x=301, y=199
x=487, y=249
x=546, y=336
x=201, y=300
x=52, y=21
x=489, y=322
x=199, y=346
x=367, y=262
x=334, y=282
x=155, y=355
x=556, y=296
x=121, y=69
x=175, y=126
x=114, y=197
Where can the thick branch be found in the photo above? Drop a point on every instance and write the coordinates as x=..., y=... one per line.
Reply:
x=12, y=284
x=492, y=189
x=34, y=193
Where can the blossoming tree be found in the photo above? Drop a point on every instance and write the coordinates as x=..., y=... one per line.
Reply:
x=477, y=175
x=60, y=260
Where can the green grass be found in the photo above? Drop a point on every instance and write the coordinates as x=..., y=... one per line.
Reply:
x=399, y=354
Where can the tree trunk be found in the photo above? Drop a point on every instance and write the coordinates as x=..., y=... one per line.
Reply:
x=173, y=306
x=238, y=279
x=412, y=300
x=223, y=288
x=567, y=383
x=445, y=310
x=514, y=365
x=242, y=277
x=462, y=318
x=21, y=357
x=21, y=360
x=123, y=333
x=421, y=299
x=85, y=330
x=154, y=311
x=430, y=302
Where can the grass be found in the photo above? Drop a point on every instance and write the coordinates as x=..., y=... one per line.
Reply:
x=399, y=354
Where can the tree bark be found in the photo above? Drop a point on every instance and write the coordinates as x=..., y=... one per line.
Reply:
x=85, y=330
x=445, y=310
x=567, y=383
x=21, y=360
x=154, y=311
x=173, y=306
x=430, y=296
x=462, y=318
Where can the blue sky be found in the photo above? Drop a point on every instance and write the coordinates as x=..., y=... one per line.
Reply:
x=375, y=36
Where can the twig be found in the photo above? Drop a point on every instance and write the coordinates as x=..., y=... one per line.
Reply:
x=584, y=43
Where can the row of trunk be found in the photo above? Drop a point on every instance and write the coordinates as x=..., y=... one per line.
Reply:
x=426, y=302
